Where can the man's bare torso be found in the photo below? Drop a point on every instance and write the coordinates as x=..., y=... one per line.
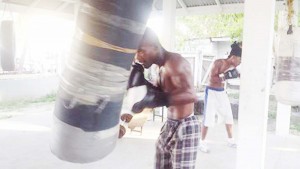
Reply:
x=220, y=66
x=170, y=83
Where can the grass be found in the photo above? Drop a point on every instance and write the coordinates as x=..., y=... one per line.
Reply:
x=272, y=107
x=18, y=104
x=234, y=96
x=295, y=126
x=295, y=122
x=272, y=104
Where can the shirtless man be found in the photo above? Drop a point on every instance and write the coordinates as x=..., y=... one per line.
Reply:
x=216, y=99
x=177, y=144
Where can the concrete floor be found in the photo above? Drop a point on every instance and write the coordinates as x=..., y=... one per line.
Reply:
x=24, y=144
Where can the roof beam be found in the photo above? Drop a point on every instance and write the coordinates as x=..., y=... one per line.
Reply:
x=153, y=5
x=219, y=4
x=34, y=3
x=71, y=1
x=62, y=6
x=183, y=5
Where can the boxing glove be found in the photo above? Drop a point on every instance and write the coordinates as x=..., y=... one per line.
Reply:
x=154, y=98
x=136, y=77
x=231, y=74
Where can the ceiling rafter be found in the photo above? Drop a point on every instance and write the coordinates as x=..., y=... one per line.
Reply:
x=183, y=5
x=71, y=1
x=34, y=3
x=62, y=6
x=218, y=3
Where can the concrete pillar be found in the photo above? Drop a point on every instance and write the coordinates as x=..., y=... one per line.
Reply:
x=76, y=9
x=199, y=67
x=296, y=9
x=255, y=83
x=283, y=119
x=169, y=15
x=283, y=116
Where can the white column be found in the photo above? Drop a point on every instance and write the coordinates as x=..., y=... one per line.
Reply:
x=76, y=9
x=255, y=83
x=296, y=9
x=283, y=119
x=283, y=111
x=169, y=14
x=200, y=65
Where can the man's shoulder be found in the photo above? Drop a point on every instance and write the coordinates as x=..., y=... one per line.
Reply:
x=176, y=64
x=219, y=62
x=176, y=59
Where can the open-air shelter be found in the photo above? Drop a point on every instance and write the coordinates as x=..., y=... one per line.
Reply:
x=257, y=54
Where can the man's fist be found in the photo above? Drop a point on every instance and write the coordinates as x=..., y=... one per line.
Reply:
x=231, y=74
x=154, y=98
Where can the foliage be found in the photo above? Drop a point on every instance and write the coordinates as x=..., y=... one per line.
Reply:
x=272, y=107
x=206, y=26
x=299, y=18
x=295, y=127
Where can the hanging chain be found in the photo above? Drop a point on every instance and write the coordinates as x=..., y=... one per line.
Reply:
x=290, y=6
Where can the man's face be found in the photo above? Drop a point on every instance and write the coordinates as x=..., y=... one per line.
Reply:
x=236, y=61
x=147, y=54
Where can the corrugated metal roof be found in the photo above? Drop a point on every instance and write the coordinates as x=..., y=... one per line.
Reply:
x=159, y=3
x=197, y=3
x=65, y=6
x=231, y=1
x=194, y=3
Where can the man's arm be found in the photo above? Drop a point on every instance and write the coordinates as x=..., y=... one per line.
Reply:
x=155, y=97
x=177, y=88
x=215, y=72
x=181, y=82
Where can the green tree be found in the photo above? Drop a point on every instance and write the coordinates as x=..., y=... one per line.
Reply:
x=189, y=28
x=204, y=26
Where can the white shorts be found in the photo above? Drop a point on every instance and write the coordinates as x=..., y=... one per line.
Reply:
x=216, y=102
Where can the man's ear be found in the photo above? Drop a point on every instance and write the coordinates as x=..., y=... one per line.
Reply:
x=157, y=48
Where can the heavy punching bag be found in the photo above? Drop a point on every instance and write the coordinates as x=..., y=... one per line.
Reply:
x=287, y=85
x=7, y=42
x=92, y=86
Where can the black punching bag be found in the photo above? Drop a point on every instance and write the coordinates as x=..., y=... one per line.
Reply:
x=7, y=42
x=92, y=86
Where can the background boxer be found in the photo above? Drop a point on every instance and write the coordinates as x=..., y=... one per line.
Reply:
x=216, y=99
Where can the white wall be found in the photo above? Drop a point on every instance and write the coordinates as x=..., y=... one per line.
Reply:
x=28, y=86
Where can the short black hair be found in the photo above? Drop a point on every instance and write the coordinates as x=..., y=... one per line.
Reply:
x=236, y=49
x=150, y=37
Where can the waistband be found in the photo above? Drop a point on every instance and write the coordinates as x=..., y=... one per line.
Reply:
x=191, y=117
x=215, y=88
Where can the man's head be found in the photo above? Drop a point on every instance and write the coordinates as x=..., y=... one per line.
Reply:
x=149, y=49
x=235, y=54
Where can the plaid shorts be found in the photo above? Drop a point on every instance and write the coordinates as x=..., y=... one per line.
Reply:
x=176, y=147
